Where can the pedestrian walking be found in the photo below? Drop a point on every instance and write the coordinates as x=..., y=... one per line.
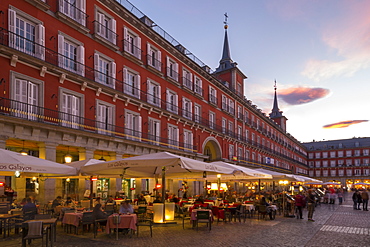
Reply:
x=359, y=200
x=299, y=204
x=355, y=199
x=365, y=199
x=310, y=204
x=340, y=196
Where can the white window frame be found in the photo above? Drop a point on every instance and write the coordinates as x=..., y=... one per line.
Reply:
x=154, y=131
x=212, y=95
x=198, y=89
x=197, y=113
x=132, y=43
x=105, y=26
x=154, y=57
x=154, y=93
x=133, y=125
x=231, y=151
x=27, y=95
x=225, y=103
x=105, y=117
x=132, y=82
x=188, y=140
x=172, y=102
x=365, y=151
x=212, y=119
x=76, y=64
x=187, y=108
x=231, y=108
x=187, y=79
x=173, y=136
x=332, y=154
x=341, y=173
x=349, y=153
x=172, y=69
x=72, y=12
x=74, y=111
x=349, y=172
x=32, y=43
x=333, y=172
x=108, y=77
x=224, y=125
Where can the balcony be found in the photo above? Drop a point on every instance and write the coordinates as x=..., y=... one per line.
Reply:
x=106, y=35
x=198, y=90
x=131, y=49
x=152, y=62
x=172, y=74
x=73, y=15
x=212, y=99
x=187, y=83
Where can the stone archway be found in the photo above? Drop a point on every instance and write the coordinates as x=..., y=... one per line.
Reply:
x=212, y=148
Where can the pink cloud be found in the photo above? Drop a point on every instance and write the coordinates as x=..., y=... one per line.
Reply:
x=343, y=124
x=302, y=95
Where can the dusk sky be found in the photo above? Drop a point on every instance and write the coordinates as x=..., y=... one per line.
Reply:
x=317, y=50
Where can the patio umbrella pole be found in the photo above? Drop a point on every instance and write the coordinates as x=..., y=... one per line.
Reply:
x=164, y=191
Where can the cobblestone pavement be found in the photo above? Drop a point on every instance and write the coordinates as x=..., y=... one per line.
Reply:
x=335, y=225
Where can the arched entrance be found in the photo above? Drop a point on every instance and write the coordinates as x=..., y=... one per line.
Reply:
x=212, y=149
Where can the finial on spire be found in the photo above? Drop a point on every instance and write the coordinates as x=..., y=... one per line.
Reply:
x=275, y=85
x=225, y=22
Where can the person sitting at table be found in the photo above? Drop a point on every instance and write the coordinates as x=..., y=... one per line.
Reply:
x=15, y=204
x=57, y=202
x=158, y=199
x=268, y=209
x=98, y=214
x=97, y=201
x=69, y=202
x=110, y=200
x=29, y=209
x=126, y=208
x=141, y=199
x=199, y=200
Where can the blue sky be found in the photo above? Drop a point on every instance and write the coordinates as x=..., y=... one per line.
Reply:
x=317, y=50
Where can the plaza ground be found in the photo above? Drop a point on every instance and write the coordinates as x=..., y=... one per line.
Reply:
x=335, y=225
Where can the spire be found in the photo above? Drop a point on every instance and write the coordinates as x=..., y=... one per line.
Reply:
x=226, y=62
x=275, y=109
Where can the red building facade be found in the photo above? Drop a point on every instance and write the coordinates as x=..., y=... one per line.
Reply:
x=99, y=79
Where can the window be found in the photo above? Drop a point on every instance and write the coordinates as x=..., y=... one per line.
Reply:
x=71, y=54
x=340, y=162
x=154, y=131
x=212, y=119
x=318, y=173
x=131, y=43
x=198, y=86
x=246, y=135
x=325, y=173
x=340, y=153
x=187, y=79
x=27, y=34
x=366, y=172
x=366, y=162
x=224, y=103
x=332, y=154
x=154, y=93
x=325, y=154
x=332, y=163
x=348, y=162
x=349, y=172
x=173, y=136
x=231, y=151
x=357, y=172
x=27, y=95
x=133, y=125
x=357, y=162
x=231, y=107
x=317, y=155
x=240, y=153
x=311, y=173
x=348, y=153
x=357, y=152
x=231, y=129
x=105, y=117
x=105, y=70
x=212, y=95
x=172, y=69
x=333, y=173
x=325, y=163
x=240, y=113
x=74, y=9
x=188, y=140
x=105, y=26
x=131, y=82
x=340, y=173
x=240, y=130
x=246, y=116
x=172, y=101
x=224, y=121
x=310, y=164
x=71, y=109
x=366, y=152
x=154, y=57
x=317, y=163
x=187, y=108
x=197, y=113
x=310, y=155
x=246, y=155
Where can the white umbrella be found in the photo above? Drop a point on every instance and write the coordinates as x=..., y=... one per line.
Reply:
x=361, y=183
x=331, y=183
x=242, y=172
x=279, y=175
x=79, y=164
x=150, y=165
x=12, y=161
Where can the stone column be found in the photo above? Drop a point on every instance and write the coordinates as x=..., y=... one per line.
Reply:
x=85, y=153
x=3, y=141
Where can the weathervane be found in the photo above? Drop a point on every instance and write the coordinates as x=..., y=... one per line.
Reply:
x=225, y=22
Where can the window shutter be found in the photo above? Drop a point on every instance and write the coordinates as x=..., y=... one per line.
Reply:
x=183, y=106
x=139, y=126
x=32, y=94
x=96, y=66
x=177, y=132
x=149, y=55
x=113, y=31
x=138, y=85
x=159, y=93
x=150, y=91
x=12, y=23
x=176, y=102
x=177, y=71
x=159, y=60
x=125, y=39
x=167, y=65
x=125, y=80
x=61, y=6
x=60, y=50
x=138, y=44
x=81, y=4
x=190, y=108
x=113, y=74
x=99, y=26
x=40, y=41
x=81, y=60
x=99, y=116
x=157, y=131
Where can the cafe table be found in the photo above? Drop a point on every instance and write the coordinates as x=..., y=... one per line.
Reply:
x=4, y=223
x=52, y=233
x=72, y=219
x=127, y=221
x=193, y=216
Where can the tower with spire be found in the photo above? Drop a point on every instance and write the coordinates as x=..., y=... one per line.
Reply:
x=276, y=114
x=228, y=72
